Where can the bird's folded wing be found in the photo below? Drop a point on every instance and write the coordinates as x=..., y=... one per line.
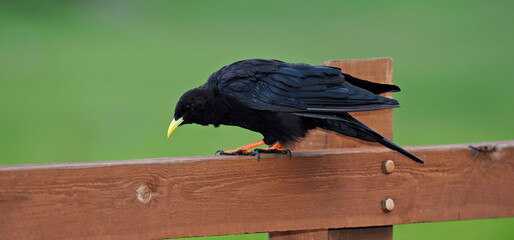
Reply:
x=287, y=87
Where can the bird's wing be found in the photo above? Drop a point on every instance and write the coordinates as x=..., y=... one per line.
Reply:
x=275, y=85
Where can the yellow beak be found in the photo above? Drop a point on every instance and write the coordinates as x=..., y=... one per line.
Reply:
x=173, y=125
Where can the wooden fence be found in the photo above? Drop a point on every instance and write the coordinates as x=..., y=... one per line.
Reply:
x=332, y=188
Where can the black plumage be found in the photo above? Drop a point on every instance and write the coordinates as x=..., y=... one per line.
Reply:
x=282, y=101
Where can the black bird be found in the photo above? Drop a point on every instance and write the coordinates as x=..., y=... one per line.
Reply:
x=282, y=101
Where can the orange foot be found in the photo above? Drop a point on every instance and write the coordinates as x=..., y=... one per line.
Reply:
x=245, y=150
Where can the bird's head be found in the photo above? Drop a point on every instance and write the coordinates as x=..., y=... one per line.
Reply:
x=190, y=109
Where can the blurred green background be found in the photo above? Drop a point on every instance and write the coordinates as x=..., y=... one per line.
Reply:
x=98, y=80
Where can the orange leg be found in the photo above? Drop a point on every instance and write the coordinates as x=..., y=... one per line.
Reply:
x=245, y=148
x=276, y=146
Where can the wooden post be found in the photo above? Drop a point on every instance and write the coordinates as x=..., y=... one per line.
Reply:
x=368, y=233
x=378, y=70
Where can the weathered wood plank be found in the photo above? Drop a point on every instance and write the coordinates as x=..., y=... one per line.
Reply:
x=217, y=195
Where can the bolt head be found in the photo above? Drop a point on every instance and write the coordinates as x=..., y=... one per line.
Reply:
x=388, y=167
x=388, y=205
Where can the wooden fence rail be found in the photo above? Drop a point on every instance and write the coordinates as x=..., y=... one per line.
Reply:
x=203, y=196
x=330, y=193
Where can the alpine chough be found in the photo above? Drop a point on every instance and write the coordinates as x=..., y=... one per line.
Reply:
x=282, y=101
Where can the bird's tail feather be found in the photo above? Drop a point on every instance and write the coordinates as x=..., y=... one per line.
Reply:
x=376, y=88
x=391, y=145
x=347, y=125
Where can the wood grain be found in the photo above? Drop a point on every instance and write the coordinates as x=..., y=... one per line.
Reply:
x=218, y=195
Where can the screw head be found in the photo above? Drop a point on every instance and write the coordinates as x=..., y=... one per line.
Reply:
x=388, y=167
x=388, y=205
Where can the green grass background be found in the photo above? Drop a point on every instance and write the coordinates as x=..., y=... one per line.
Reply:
x=98, y=80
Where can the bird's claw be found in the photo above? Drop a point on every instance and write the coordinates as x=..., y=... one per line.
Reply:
x=257, y=152
x=238, y=152
x=276, y=151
